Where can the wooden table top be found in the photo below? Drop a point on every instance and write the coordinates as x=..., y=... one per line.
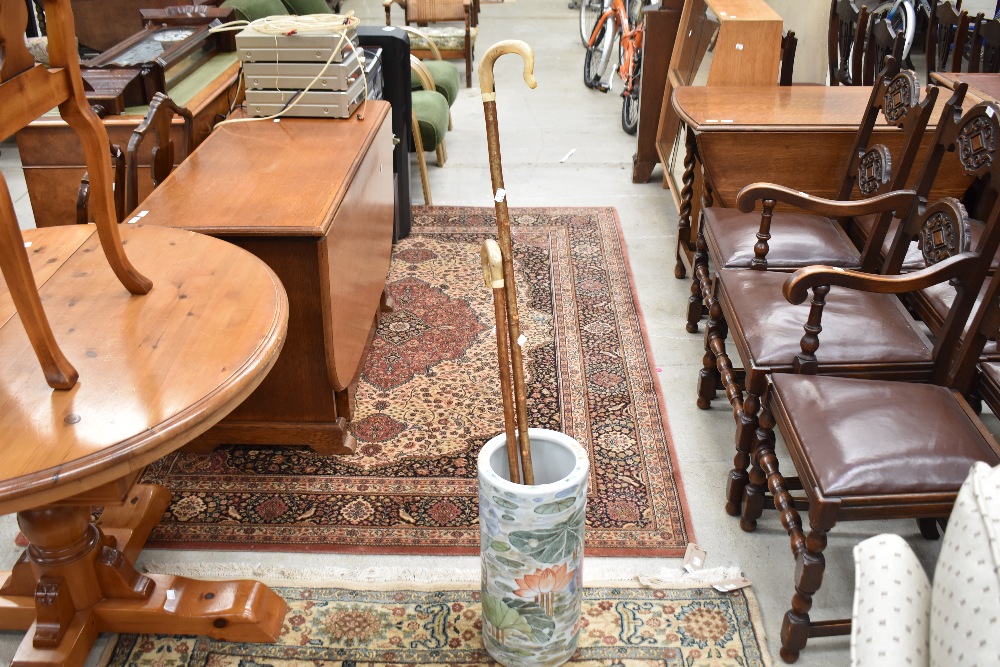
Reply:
x=982, y=85
x=276, y=195
x=737, y=108
x=155, y=370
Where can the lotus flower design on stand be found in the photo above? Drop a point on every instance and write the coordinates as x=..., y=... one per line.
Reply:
x=542, y=585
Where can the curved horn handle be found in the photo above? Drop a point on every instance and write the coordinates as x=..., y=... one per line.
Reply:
x=492, y=264
x=490, y=57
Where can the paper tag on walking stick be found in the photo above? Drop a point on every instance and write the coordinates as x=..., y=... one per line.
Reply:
x=500, y=195
x=694, y=557
x=521, y=340
x=727, y=585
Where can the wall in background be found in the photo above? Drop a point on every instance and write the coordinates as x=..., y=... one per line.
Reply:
x=810, y=21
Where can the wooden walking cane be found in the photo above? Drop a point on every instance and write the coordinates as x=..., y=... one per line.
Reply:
x=513, y=328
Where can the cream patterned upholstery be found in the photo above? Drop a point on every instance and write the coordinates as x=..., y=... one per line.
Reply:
x=965, y=605
x=901, y=619
x=892, y=604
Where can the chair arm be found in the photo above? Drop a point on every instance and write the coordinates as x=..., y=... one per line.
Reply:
x=797, y=285
x=423, y=74
x=422, y=35
x=897, y=200
x=892, y=604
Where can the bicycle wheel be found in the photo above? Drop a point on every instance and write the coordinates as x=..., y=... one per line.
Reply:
x=630, y=102
x=590, y=11
x=595, y=63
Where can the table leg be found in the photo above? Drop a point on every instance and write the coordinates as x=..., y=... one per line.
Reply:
x=85, y=585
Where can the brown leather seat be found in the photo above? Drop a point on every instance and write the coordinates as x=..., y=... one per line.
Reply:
x=859, y=449
x=858, y=327
x=938, y=299
x=797, y=240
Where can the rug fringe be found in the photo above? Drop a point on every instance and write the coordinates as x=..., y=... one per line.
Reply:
x=458, y=575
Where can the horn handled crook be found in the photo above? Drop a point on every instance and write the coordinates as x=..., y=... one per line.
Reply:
x=514, y=340
x=486, y=81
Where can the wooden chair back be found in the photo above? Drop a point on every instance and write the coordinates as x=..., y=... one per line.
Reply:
x=881, y=41
x=985, y=52
x=83, y=194
x=789, y=44
x=27, y=91
x=947, y=35
x=846, y=42
x=156, y=127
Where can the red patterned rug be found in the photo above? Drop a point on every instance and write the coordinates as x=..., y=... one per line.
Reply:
x=429, y=399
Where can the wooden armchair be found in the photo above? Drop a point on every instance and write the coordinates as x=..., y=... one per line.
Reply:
x=156, y=126
x=867, y=335
x=947, y=35
x=778, y=240
x=453, y=42
x=870, y=449
x=846, y=42
x=429, y=123
x=443, y=74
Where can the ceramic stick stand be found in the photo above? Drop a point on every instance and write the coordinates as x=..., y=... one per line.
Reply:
x=532, y=550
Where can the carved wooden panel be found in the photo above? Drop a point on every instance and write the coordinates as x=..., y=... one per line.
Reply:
x=945, y=230
x=874, y=169
x=977, y=138
x=902, y=94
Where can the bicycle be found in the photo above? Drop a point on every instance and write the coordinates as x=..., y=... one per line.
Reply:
x=590, y=10
x=629, y=34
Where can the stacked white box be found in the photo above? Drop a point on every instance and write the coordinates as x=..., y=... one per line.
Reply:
x=278, y=67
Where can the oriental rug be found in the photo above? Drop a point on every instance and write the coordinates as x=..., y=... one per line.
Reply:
x=403, y=624
x=429, y=399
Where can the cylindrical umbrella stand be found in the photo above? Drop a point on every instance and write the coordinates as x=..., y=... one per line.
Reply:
x=531, y=543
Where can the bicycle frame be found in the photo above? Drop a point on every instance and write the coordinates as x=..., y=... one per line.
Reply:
x=630, y=40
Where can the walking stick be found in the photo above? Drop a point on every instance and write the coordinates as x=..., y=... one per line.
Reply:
x=512, y=331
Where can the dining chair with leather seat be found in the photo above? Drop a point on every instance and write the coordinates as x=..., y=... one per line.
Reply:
x=788, y=240
x=871, y=449
x=864, y=334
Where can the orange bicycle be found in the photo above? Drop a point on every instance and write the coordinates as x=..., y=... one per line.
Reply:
x=625, y=23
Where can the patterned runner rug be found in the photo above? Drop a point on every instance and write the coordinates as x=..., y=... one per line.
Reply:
x=429, y=398
x=395, y=624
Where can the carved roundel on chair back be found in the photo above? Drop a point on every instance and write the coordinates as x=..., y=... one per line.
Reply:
x=977, y=138
x=901, y=95
x=874, y=169
x=945, y=230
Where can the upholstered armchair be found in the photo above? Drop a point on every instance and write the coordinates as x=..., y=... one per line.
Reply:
x=453, y=41
x=429, y=121
x=901, y=618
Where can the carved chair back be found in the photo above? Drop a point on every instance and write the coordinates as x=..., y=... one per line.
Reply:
x=985, y=53
x=27, y=91
x=947, y=35
x=846, y=42
x=943, y=232
x=155, y=127
x=877, y=171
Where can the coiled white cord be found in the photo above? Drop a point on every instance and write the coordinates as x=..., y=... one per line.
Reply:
x=309, y=24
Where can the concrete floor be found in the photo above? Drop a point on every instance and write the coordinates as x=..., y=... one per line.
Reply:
x=538, y=129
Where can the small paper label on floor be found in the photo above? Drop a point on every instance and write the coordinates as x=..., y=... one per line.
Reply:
x=731, y=584
x=694, y=557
